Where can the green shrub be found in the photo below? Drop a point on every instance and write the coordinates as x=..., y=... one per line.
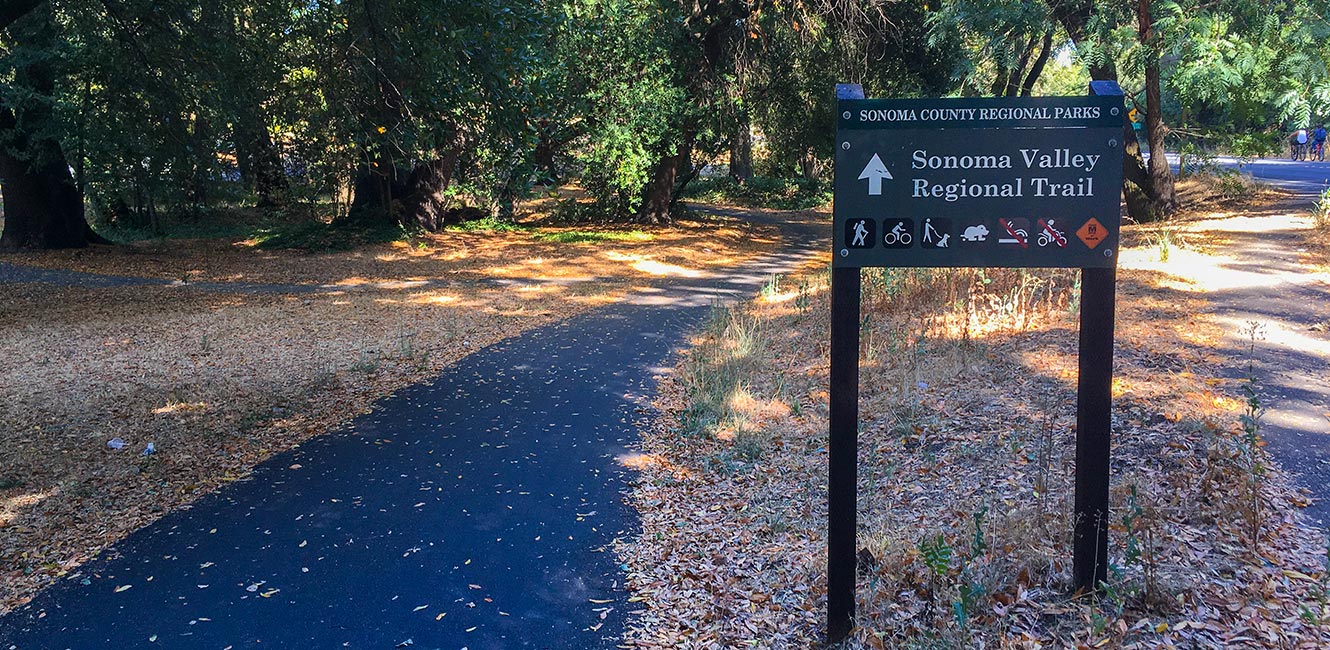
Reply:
x=1235, y=185
x=1321, y=212
x=761, y=191
x=1197, y=158
x=338, y=235
x=590, y=236
x=1256, y=145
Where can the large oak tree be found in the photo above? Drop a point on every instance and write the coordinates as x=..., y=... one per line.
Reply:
x=43, y=206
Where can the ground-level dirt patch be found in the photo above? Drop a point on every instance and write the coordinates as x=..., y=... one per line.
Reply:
x=966, y=465
x=218, y=380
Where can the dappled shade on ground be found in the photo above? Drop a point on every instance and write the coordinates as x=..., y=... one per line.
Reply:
x=966, y=465
x=219, y=378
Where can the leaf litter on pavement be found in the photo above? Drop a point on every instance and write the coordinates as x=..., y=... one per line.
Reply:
x=218, y=380
x=966, y=459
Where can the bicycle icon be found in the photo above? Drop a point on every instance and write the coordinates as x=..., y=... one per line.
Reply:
x=900, y=235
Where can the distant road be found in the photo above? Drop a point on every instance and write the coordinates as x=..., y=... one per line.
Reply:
x=1302, y=178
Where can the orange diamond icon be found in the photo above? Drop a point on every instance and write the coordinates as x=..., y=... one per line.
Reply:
x=1092, y=232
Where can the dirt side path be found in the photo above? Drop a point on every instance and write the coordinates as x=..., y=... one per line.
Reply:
x=1273, y=304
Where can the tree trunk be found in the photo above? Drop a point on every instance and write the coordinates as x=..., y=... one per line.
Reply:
x=1012, y=86
x=257, y=158
x=370, y=193
x=708, y=31
x=659, y=199
x=1027, y=88
x=1135, y=179
x=1163, y=198
x=199, y=161
x=1000, y=79
x=546, y=148
x=260, y=164
x=1074, y=15
x=809, y=166
x=81, y=159
x=424, y=202
x=411, y=197
x=396, y=187
x=43, y=206
x=741, y=150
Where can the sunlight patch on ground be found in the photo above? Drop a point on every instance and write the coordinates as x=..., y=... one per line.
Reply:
x=1176, y=269
x=645, y=264
x=1283, y=222
x=640, y=461
x=1275, y=332
x=783, y=296
x=1194, y=271
x=180, y=407
x=449, y=256
x=380, y=284
x=14, y=505
x=1121, y=386
x=440, y=299
x=750, y=407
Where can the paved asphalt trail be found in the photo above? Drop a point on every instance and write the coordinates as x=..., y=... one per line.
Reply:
x=476, y=511
x=1302, y=177
x=1264, y=281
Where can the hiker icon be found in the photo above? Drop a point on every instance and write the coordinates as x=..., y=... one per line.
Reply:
x=860, y=233
x=938, y=236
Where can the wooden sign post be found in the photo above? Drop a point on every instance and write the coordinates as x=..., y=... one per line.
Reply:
x=991, y=182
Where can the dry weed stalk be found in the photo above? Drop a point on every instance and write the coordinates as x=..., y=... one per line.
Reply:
x=1251, y=455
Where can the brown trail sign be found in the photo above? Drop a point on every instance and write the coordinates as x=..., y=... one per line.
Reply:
x=987, y=182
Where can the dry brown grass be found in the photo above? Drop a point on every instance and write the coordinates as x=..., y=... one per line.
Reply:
x=220, y=381
x=967, y=409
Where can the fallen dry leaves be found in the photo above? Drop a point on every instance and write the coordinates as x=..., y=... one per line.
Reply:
x=965, y=479
x=219, y=380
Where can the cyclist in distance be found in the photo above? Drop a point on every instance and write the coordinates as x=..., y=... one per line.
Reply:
x=1298, y=144
x=1318, y=142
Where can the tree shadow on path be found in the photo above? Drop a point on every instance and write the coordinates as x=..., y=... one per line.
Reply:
x=1273, y=306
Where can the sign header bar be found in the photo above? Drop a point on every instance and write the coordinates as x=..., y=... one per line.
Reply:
x=992, y=182
x=982, y=113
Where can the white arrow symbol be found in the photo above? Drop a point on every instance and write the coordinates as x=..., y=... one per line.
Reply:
x=875, y=171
